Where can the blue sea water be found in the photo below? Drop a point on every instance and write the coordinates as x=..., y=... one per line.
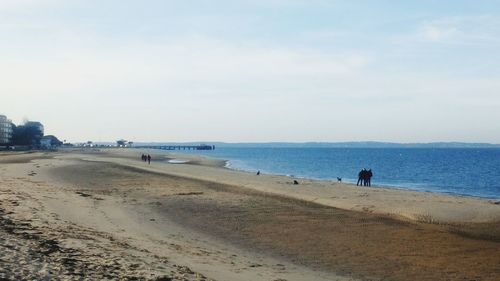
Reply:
x=467, y=171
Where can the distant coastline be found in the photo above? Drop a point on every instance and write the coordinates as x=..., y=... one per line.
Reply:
x=361, y=144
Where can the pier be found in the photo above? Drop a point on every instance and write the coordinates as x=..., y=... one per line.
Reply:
x=179, y=147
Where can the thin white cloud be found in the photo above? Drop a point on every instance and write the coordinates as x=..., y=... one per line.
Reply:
x=24, y=5
x=208, y=64
x=474, y=30
x=111, y=77
x=439, y=33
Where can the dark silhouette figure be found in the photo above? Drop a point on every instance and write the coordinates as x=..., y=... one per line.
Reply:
x=258, y=173
x=361, y=177
x=369, y=175
x=295, y=182
x=365, y=178
x=339, y=179
x=149, y=159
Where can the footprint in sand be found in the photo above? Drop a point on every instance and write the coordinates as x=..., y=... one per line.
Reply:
x=82, y=194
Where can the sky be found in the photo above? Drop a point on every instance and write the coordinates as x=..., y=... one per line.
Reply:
x=253, y=70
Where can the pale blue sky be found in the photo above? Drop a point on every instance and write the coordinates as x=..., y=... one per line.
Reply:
x=404, y=71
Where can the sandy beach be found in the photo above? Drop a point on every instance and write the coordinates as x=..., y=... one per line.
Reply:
x=106, y=215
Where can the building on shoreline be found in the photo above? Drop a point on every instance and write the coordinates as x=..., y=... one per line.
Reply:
x=26, y=136
x=50, y=142
x=29, y=134
x=5, y=130
x=37, y=125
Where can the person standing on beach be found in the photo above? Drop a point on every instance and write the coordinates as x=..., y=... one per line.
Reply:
x=149, y=159
x=369, y=175
x=361, y=177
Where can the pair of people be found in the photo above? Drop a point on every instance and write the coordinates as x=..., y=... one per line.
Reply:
x=365, y=177
x=146, y=158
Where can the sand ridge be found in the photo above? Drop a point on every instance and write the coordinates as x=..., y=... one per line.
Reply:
x=414, y=206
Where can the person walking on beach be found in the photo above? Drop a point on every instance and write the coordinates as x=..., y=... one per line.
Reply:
x=149, y=159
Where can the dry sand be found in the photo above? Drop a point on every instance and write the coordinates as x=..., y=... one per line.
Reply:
x=96, y=215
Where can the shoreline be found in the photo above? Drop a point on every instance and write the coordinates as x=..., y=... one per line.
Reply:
x=188, y=221
x=423, y=206
x=439, y=210
x=227, y=165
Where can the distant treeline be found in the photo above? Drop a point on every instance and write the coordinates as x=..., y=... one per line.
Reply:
x=26, y=135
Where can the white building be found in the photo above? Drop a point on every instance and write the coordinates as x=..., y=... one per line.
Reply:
x=5, y=130
x=50, y=142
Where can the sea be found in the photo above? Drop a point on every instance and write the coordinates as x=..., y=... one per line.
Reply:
x=459, y=171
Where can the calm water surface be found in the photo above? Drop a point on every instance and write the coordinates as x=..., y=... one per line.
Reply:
x=472, y=172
